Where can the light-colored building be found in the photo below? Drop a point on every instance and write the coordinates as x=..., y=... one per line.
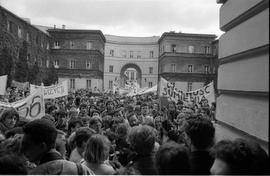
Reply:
x=131, y=58
x=243, y=74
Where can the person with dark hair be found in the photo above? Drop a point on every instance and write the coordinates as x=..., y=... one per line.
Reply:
x=73, y=126
x=81, y=137
x=200, y=133
x=172, y=159
x=12, y=164
x=61, y=120
x=8, y=120
x=110, y=108
x=172, y=112
x=97, y=154
x=239, y=157
x=142, y=141
x=38, y=145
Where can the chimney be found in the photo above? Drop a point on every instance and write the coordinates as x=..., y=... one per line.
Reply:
x=63, y=26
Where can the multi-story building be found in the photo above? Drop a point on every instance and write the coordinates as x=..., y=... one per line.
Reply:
x=131, y=58
x=78, y=56
x=14, y=30
x=187, y=60
x=243, y=74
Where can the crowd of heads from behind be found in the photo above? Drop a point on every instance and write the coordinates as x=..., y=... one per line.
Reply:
x=109, y=134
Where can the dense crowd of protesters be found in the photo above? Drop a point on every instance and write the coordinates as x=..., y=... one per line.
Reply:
x=106, y=134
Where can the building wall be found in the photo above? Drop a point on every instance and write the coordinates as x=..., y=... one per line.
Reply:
x=81, y=83
x=196, y=50
x=243, y=80
x=140, y=46
x=79, y=55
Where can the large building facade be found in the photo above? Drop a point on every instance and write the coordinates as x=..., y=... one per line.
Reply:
x=243, y=74
x=131, y=59
x=188, y=60
x=78, y=56
x=88, y=59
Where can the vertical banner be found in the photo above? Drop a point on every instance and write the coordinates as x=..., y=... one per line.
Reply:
x=30, y=108
x=169, y=90
x=3, y=84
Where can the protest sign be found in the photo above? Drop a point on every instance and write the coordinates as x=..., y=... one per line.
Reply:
x=3, y=84
x=54, y=91
x=20, y=85
x=30, y=108
x=169, y=90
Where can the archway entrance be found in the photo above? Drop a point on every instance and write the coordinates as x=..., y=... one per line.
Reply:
x=130, y=73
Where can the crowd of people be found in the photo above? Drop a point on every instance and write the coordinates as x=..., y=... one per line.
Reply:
x=108, y=134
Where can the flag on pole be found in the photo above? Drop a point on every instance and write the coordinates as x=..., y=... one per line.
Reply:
x=3, y=84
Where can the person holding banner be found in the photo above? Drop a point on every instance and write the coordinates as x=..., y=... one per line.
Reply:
x=8, y=120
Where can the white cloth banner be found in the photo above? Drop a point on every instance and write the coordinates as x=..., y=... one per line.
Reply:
x=30, y=108
x=54, y=91
x=169, y=90
x=3, y=84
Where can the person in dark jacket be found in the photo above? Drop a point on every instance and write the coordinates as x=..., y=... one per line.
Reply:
x=200, y=133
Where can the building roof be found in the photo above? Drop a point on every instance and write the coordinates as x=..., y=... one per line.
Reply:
x=131, y=40
x=180, y=34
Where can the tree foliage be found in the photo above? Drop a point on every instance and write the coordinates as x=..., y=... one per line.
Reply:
x=51, y=76
x=21, y=69
x=34, y=74
x=6, y=64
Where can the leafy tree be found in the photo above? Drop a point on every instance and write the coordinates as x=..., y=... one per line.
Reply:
x=34, y=73
x=6, y=64
x=51, y=76
x=21, y=69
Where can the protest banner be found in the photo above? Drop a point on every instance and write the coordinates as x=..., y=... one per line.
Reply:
x=30, y=108
x=3, y=84
x=169, y=90
x=54, y=91
x=20, y=85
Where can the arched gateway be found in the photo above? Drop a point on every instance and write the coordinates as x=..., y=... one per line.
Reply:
x=128, y=68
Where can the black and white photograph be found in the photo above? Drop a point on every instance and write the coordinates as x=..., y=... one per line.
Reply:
x=134, y=87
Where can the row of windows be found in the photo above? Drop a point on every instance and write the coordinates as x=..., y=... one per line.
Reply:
x=131, y=54
x=89, y=45
x=72, y=64
x=17, y=30
x=72, y=84
x=186, y=49
x=190, y=68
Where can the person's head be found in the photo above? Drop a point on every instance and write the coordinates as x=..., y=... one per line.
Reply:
x=12, y=164
x=200, y=133
x=132, y=119
x=61, y=120
x=96, y=124
x=49, y=117
x=95, y=113
x=83, y=108
x=39, y=137
x=110, y=105
x=9, y=118
x=122, y=130
x=205, y=112
x=142, y=139
x=144, y=109
x=81, y=137
x=74, y=125
x=171, y=106
x=97, y=149
x=61, y=104
x=70, y=99
x=232, y=157
x=172, y=159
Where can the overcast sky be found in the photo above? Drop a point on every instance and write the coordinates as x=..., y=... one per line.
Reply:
x=138, y=18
